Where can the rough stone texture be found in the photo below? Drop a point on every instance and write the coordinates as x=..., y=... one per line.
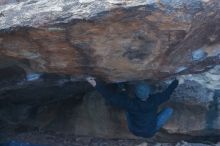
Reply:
x=58, y=140
x=113, y=40
x=116, y=41
x=209, y=79
x=55, y=104
x=198, y=99
x=196, y=110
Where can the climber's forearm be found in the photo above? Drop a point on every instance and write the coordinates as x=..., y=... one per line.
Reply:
x=114, y=98
x=171, y=88
x=164, y=96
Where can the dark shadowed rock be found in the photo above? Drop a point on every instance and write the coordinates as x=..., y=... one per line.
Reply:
x=55, y=104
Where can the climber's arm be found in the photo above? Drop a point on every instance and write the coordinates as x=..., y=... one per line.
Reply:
x=116, y=99
x=164, y=96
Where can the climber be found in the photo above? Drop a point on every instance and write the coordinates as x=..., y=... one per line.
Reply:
x=142, y=111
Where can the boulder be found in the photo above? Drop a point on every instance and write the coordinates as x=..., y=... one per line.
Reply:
x=56, y=104
x=46, y=46
x=112, y=40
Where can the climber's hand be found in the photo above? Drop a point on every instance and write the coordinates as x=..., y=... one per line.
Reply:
x=91, y=80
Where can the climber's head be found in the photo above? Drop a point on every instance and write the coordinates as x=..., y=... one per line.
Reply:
x=142, y=90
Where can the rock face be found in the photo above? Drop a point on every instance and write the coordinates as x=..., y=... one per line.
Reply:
x=45, y=46
x=55, y=104
x=113, y=40
x=47, y=139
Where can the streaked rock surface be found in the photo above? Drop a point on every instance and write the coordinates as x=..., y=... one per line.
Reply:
x=45, y=46
x=112, y=40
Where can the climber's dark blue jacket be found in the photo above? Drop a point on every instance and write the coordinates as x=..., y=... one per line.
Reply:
x=141, y=115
